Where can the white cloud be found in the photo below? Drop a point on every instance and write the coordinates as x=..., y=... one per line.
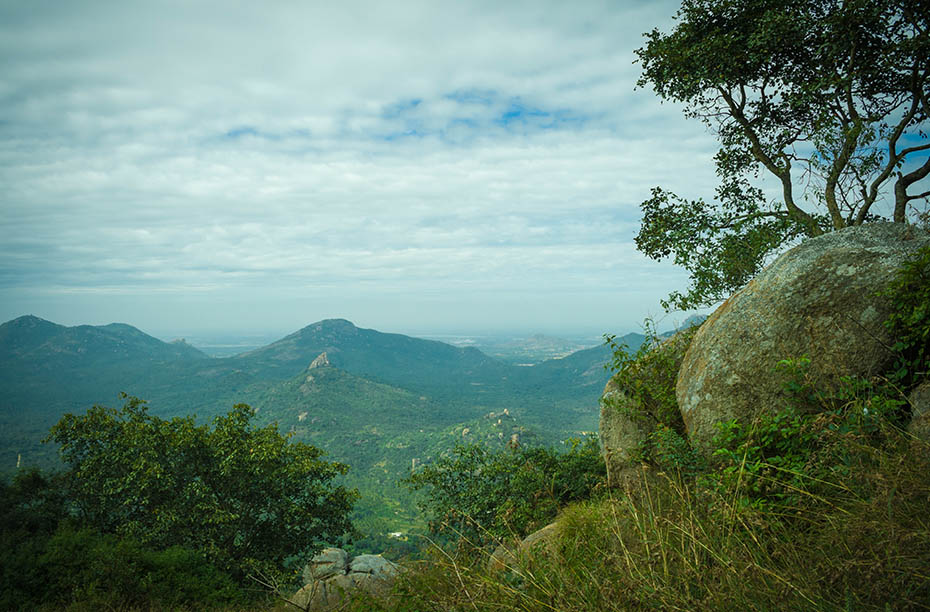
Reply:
x=488, y=155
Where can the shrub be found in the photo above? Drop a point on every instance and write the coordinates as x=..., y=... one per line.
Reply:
x=94, y=571
x=246, y=497
x=908, y=295
x=484, y=496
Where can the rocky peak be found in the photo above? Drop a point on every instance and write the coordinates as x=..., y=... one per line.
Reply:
x=321, y=361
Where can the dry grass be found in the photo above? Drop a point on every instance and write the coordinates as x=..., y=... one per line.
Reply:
x=859, y=541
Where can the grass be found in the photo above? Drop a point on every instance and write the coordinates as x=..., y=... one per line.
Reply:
x=858, y=540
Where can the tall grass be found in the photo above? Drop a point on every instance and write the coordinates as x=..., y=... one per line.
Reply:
x=856, y=540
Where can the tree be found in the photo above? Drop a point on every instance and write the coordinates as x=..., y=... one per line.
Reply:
x=481, y=495
x=242, y=495
x=829, y=96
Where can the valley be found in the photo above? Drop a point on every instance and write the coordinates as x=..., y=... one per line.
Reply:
x=381, y=403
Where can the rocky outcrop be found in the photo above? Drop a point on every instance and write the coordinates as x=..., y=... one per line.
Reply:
x=507, y=555
x=629, y=415
x=817, y=299
x=622, y=431
x=321, y=361
x=331, y=577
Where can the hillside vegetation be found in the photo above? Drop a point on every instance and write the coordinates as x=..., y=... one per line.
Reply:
x=822, y=503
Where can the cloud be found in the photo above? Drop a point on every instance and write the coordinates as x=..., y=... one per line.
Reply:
x=255, y=153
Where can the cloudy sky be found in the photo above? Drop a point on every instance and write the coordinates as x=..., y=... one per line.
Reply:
x=419, y=167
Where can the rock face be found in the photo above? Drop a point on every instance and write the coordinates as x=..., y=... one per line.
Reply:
x=627, y=419
x=621, y=434
x=331, y=577
x=816, y=300
x=321, y=361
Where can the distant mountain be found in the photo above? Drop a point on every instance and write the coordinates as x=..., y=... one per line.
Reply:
x=392, y=358
x=48, y=369
x=38, y=341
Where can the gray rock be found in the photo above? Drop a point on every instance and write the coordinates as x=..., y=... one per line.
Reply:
x=919, y=399
x=376, y=565
x=507, y=555
x=329, y=562
x=326, y=594
x=621, y=433
x=818, y=299
x=331, y=578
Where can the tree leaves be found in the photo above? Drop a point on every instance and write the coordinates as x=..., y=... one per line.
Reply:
x=828, y=97
x=243, y=495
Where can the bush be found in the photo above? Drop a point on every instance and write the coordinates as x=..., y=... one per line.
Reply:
x=246, y=497
x=909, y=323
x=786, y=456
x=483, y=496
x=646, y=378
x=92, y=571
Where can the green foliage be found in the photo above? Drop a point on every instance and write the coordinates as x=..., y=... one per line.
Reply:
x=909, y=323
x=483, y=496
x=244, y=496
x=31, y=505
x=824, y=505
x=90, y=571
x=722, y=245
x=669, y=451
x=647, y=376
x=46, y=562
x=784, y=455
x=828, y=92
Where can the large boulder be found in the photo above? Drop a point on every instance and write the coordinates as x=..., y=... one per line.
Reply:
x=818, y=300
x=632, y=407
x=328, y=562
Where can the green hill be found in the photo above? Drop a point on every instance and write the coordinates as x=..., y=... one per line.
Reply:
x=380, y=402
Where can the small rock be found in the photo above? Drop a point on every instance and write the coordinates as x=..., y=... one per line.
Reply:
x=507, y=555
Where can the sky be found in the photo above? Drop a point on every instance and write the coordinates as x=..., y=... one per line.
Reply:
x=414, y=167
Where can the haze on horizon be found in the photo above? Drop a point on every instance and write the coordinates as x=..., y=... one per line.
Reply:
x=414, y=167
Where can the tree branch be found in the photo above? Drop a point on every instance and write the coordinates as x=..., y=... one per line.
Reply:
x=783, y=174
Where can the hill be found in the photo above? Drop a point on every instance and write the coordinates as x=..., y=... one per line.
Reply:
x=48, y=369
x=377, y=401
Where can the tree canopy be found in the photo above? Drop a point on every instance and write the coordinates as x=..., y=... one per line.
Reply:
x=243, y=495
x=828, y=97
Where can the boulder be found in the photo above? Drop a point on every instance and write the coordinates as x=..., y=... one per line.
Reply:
x=919, y=399
x=329, y=562
x=628, y=418
x=331, y=578
x=508, y=554
x=621, y=433
x=375, y=565
x=818, y=300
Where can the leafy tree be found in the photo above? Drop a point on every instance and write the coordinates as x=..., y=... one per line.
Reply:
x=827, y=95
x=481, y=495
x=31, y=506
x=242, y=495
